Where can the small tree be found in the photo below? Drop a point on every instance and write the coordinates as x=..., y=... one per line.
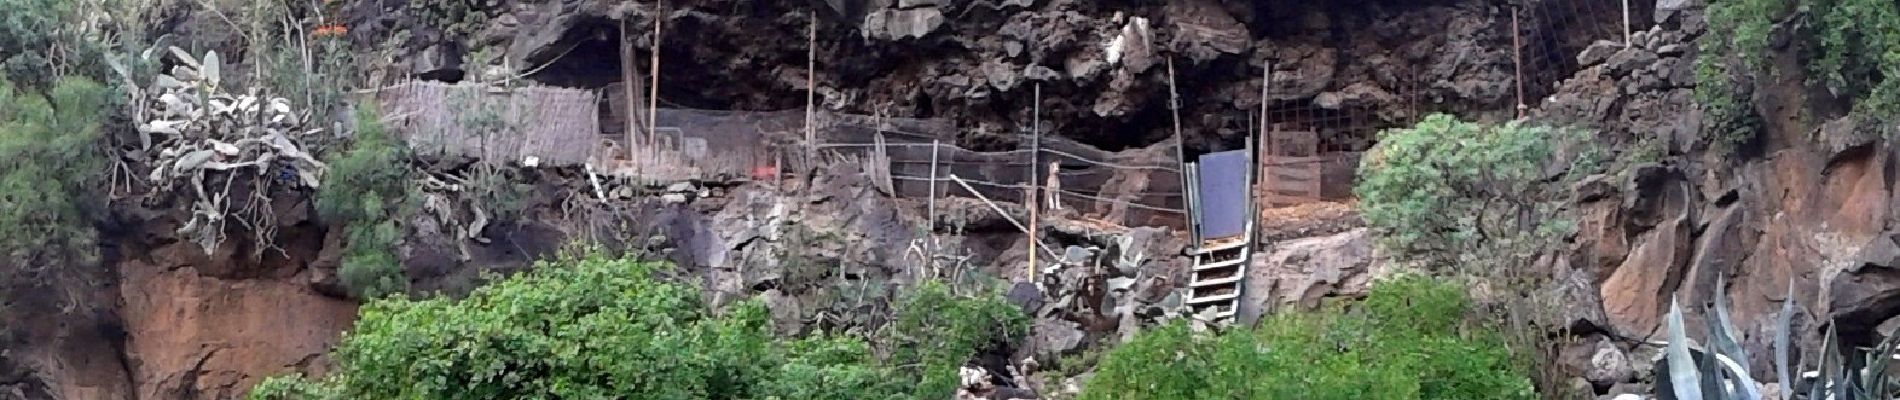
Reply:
x=51, y=167
x=1476, y=203
x=1454, y=193
x=366, y=186
x=41, y=42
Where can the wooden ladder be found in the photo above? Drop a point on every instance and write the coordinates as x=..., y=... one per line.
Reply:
x=1220, y=270
x=1219, y=264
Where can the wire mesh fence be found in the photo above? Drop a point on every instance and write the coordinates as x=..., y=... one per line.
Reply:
x=1311, y=144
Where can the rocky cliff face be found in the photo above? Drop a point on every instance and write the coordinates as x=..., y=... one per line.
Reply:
x=1808, y=204
x=1104, y=66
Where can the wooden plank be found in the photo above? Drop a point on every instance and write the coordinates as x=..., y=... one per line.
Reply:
x=1295, y=174
x=1291, y=173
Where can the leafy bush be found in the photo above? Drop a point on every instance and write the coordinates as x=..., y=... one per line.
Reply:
x=1856, y=47
x=1408, y=340
x=592, y=327
x=1474, y=201
x=363, y=195
x=40, y=44
x=934, y=332
x=51, y=167
x=1859, y=42
x=1445, y=189
x=1734, y=49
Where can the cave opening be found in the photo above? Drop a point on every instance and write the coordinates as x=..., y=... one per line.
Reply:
x=588, y=57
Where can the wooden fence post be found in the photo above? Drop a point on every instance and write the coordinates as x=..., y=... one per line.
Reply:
x=811, y=91
x=653, y=103
x=1035, y=149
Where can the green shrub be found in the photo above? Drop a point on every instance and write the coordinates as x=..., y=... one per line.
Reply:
x=40, y=44
x=1408, y=340
x=362, y=194
x=1856, y=50
x=934, y=332
x=1859, y=43
x=1454, y=193
x=1735, y=48
x=1474, y=202
x=51, y=166
x=591, y=327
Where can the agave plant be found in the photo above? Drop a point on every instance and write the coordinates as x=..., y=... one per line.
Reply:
x=1720, y=372
x=1717, y=372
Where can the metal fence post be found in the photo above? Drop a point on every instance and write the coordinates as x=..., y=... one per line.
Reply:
x=930, y=244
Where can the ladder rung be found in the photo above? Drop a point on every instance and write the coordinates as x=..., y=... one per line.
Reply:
x=1223, y=311
x=1217, y=282
x=1220, y=249
x=1219, y=264
x=1214, y=299
x=1223, y=246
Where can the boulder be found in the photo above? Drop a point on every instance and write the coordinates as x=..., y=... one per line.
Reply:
x=1861, y=299
x=1629, y=60
x=1579, y=305
x=895, y=24
x=1656, y=213
x=1841, y=135
x=1608, y=365
x=1598, y=52
x=1054, y=338
x=1300, y=272
x=1203, y=30
x=1635, y=295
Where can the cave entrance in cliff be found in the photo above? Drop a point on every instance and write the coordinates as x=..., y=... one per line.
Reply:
x=590, y=54
x=586, y=56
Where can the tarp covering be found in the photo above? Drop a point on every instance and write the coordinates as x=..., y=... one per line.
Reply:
x=1137, y=187
x=557, y=125
x=1222, y=196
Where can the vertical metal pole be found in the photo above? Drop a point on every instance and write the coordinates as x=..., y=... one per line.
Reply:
x=1258, y=175
x=1266, y=85
x=1517, y=58
x=934, y=145
x=1035, y=201
x=931, y=210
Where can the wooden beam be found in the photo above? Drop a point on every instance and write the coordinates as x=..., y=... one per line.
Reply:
x=811, y=90
x=1035, y=200
x=1180, y=144
x=629, y=81
x=653, y=103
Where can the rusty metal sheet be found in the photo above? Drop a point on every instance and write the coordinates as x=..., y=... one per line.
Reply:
x=1222, y=193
